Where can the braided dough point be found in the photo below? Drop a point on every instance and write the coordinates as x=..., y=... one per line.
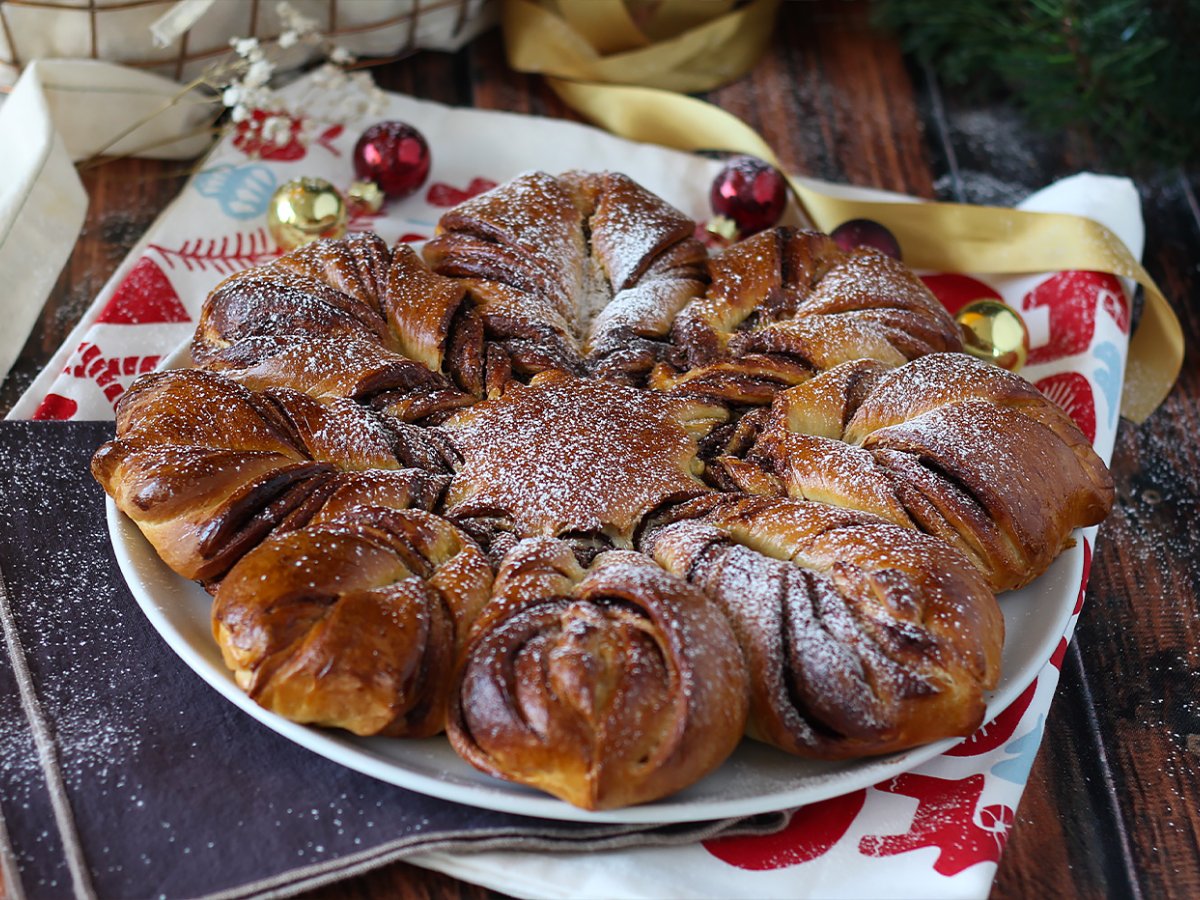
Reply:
x=606, y=687
x=583, y=272
x=353, y=623
x=346, y=318
x=207, y=468
x=860, y=637
x=946, y=444
x=331, y=369
x=785, y=304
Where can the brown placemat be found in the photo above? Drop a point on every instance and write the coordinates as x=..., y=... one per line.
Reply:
x=122, y=774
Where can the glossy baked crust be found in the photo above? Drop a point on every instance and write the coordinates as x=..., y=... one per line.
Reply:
x=607, y=685
x=860, y=636
x=595, y=502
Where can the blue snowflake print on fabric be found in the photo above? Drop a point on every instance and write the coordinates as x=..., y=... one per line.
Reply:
x=242, y=192
x=1108, y=376
x=1016, y=769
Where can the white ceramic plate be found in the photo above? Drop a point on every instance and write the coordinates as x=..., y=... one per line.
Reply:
x=757, y=778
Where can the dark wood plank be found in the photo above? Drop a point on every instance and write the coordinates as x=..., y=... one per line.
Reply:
x=1140, y=636
x=1067, y=837
x=834, y=100
x=430, y=76
x=495, y=86
x=1110, y=809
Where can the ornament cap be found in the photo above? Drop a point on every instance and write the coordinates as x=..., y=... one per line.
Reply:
x=750, y=192
x=851, y=235
x=366, y=195
x=393, y=155
x=723, y=227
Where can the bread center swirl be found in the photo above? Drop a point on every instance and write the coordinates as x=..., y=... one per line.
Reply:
x=594, y=294
x=583, y=272
x=569, y=456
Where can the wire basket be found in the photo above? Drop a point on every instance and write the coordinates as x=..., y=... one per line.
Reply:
x=119, y=30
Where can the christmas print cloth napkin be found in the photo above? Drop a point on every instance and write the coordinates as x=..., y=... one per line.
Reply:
x=937, y=830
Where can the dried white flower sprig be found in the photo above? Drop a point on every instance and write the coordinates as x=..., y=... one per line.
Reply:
x=246, y=83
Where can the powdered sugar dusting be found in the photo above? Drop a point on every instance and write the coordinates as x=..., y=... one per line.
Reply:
x=565, y=455
x=592, y=236
x=588, y=460
x=65, y=625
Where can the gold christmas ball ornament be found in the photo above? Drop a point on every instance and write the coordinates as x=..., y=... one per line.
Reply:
x=304, y=210
x=995, y=332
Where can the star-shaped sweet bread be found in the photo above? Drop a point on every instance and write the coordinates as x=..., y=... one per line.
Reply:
x=569, y=456
x=596, y=503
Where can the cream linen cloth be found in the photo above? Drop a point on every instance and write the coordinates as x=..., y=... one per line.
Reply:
x=61, y=111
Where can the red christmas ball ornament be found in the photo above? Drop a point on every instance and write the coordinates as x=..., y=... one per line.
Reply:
x=866, y=233
x=750, y=192
x=393, y=155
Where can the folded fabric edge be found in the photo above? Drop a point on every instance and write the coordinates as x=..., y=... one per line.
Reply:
x=600, y=838
x=76, y=91
x=28, y=402
x=47, y=205
x=45, y=208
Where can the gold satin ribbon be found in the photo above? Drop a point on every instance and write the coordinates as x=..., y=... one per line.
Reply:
x=719, y=49
x=718, y=44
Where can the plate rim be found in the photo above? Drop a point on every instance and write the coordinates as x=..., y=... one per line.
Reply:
x=129, y=543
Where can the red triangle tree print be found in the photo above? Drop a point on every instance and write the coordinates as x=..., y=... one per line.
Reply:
x=812, y=832
x=145, y=297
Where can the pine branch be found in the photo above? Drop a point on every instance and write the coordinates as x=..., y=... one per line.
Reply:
x=1126, y=72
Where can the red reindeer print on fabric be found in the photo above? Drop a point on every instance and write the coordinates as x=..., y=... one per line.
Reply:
x=248, y=137
x=1073, y=393
x=812, y=832
x=1059, y=654
x=110, y=374
x=442, y=194
x=956, y=291
x=1071, y=299
x=1087, y=571
x=997, y=732
x=947, y=818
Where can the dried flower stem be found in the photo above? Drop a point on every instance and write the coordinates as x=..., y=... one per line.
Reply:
x=97, y=160
x=125, y=132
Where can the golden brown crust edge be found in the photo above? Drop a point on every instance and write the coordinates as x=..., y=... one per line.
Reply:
x=607, y=687
x=860, y=637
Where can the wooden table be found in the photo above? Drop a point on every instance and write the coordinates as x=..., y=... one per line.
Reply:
x=1113, y=805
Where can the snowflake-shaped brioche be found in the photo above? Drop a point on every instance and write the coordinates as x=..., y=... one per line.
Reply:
x=759, y=493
